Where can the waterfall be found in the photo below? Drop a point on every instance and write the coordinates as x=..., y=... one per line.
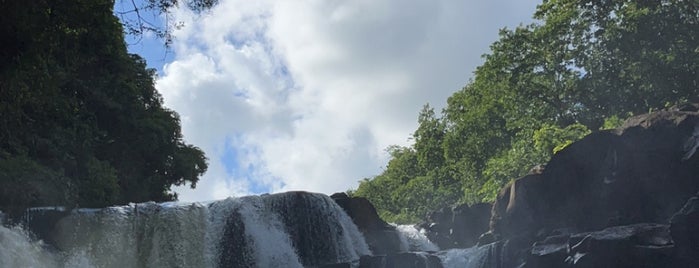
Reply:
x=17, y=250
x=413, y=239
x=473, y=257
x=294, y=229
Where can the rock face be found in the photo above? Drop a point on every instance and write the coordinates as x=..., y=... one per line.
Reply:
x=608, y=179
x=458, y=226
x=684, y=227
x=401, y=260
x=608, y=200
x=381, y=237
x=469, y=222
x=639, y=245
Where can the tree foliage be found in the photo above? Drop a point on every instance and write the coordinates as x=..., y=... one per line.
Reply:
x=133, y=15
x=81, y=122
x=585, y=65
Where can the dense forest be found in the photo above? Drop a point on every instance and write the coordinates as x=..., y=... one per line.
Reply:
x=81, y=123
x=584, y=65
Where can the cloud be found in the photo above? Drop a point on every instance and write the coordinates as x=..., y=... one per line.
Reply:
x=306, y=95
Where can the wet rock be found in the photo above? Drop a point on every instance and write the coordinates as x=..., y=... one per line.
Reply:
x=376, y=261
x=468, y=223
x=336, y=265
x=457, y=227
x=518, y=208
x=313, y=224
x=438, y=226
x=638, y=245
x=235, y=250
x=401, y=260
x=42, y=221
x=381, y=237
x=684, y=227
x=641, y=172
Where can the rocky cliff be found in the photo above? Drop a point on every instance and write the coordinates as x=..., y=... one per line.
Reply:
x=608, y=200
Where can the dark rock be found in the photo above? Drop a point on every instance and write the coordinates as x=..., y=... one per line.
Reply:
x=468, y=223
x=438, y=226
x=642, y=172
x=487, y=238
x=626, y=182
x=518, y=207
x=235, y=250
x=551, y=252
x=401, y=260
x=377, y=261
x=339, y=195
x=312, y=223
x=433, y=261
x=381, y=237
x=336, y=265
x=684, y=227
x=42, y=221
x=639, y=245
x=410, y=260
x=457, y=227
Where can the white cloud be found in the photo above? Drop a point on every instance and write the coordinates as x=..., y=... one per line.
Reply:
x=308, y=94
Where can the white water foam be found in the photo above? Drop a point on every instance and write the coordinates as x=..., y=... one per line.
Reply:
x=413, y=239
x=324, y=232
x=272, y=245
x=353, y=239
x=473, y=257
x=17, y=250
x=177, y=235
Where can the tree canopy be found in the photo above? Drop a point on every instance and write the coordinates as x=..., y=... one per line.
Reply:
x=81, y=123
x=136, y=23
x=584, y=65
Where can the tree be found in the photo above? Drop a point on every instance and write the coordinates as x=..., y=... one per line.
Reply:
x=428, y=140
x=133, y=16
x=585, y=65
x=633, y=55
x=81, y=122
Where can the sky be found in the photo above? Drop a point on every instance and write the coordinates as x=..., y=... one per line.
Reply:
x=308, y=94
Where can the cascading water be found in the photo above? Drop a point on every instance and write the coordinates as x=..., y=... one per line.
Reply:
x=474, y=257
x=294, y=229
x=17, y=250
x=413, y=239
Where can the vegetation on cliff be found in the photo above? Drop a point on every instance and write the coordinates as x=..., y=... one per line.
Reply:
x=81, y=123
x=584, y=66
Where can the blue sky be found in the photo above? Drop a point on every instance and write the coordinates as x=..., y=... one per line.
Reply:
x=147, y=45
x=306, y=95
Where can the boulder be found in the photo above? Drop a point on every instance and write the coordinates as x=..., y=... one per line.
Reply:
x=457, y=227
x=381, y=237
x=684, y=227
x=517, y=208
x=641, y=172
x=639, y=245
x=401, y=260
x=438, y=226
x=375, y=261
x=468, y=223
x=336, y=265
x=42, y=221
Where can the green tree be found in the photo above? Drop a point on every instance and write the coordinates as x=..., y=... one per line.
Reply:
x=428, y=140
x=584, y=65
x=80, y=120
x=136, y=23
